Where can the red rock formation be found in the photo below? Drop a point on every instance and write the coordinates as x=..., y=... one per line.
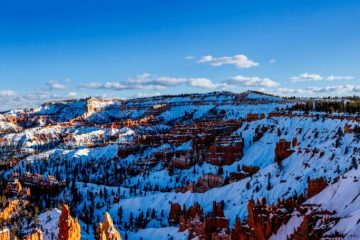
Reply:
x=295, y=142
x=204, y=183
x=218, y=210
x=259, y=133
x=13, y=187
x=175, y=212
x=252, y=117
x=275, y=114
x=225, y=150
x=264, y=220
x=106, y=230
x=212, y=227
x=194, y=210
x=282, y=150
x=251, y=170
x=69, y=229
x=6, y=213
x=347, y=128
x=37, y=234
x=234, y=176
x=315, y=186
x=4, y=234
x=309, y=229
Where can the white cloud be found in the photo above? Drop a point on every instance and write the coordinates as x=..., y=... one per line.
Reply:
x=7, y=93
x=147, y=81
x=251, y=82
x=240, y=61
x=11, y=100
x=190, y=57
x=306, y=77
x=317, y=77
x=335, y=89
x=56, y=85
x=143, y=95
x=202, y=83
x=333, y=78
x=289, y=91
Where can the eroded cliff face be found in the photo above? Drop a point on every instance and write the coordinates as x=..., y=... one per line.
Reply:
x=166, y=151
x=37, y=234
x=69, y=229
x=5, y=234
x=8, y=210
x=106, y=230
x=282, y=150
x=315, y=186
x=264, y=220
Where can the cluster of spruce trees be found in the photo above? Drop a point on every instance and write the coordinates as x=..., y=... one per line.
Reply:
x=350, y=105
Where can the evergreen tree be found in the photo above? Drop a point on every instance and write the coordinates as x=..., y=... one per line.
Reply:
x=120, y=214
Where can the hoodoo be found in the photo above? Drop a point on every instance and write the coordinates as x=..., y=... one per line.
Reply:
x=69, y=229
x=106, y=230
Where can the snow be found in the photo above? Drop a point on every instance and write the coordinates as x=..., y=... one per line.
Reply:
x=90, y=154
x=48, y=222
x=344, y=198
x=258, y=96
x=287, y=229
x=159, y=233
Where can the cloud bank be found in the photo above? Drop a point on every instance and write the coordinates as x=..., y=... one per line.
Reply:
x=240, y=61
x=305, y=77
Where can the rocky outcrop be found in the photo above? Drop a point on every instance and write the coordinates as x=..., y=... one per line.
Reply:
x=37, y=234
x=250, y=170
x=295, y=142
x=264, y=220
x=106, y=230
x=5, y=234
x=309, y=227
x=69, y=229
x=282, y=150
x=6, y=213
x=315, y=186
x=205, y=227
x=174, y=215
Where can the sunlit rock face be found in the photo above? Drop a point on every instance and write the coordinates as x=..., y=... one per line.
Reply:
x=69, y=229
x=37, y=234
x=106, y=230
x=5, y=234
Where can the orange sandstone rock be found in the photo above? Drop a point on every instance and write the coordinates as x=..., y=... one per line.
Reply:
x=5, y=214
x=282, y=150
x=37, y=234
x=5, y=234
x=69, y=229
x=315, y=186
x=106, y=230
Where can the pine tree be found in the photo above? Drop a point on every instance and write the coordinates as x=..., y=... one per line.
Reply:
x=131, y=219
x=268, y=187
x=354, y=163
x=120, y=214
x=340, y=132
x=153, y=213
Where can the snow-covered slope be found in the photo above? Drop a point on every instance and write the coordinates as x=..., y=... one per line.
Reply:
x=135, y=158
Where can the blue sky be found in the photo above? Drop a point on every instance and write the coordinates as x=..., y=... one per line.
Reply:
x=70, y=49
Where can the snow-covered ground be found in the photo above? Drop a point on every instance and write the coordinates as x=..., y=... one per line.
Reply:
x=89, y=155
